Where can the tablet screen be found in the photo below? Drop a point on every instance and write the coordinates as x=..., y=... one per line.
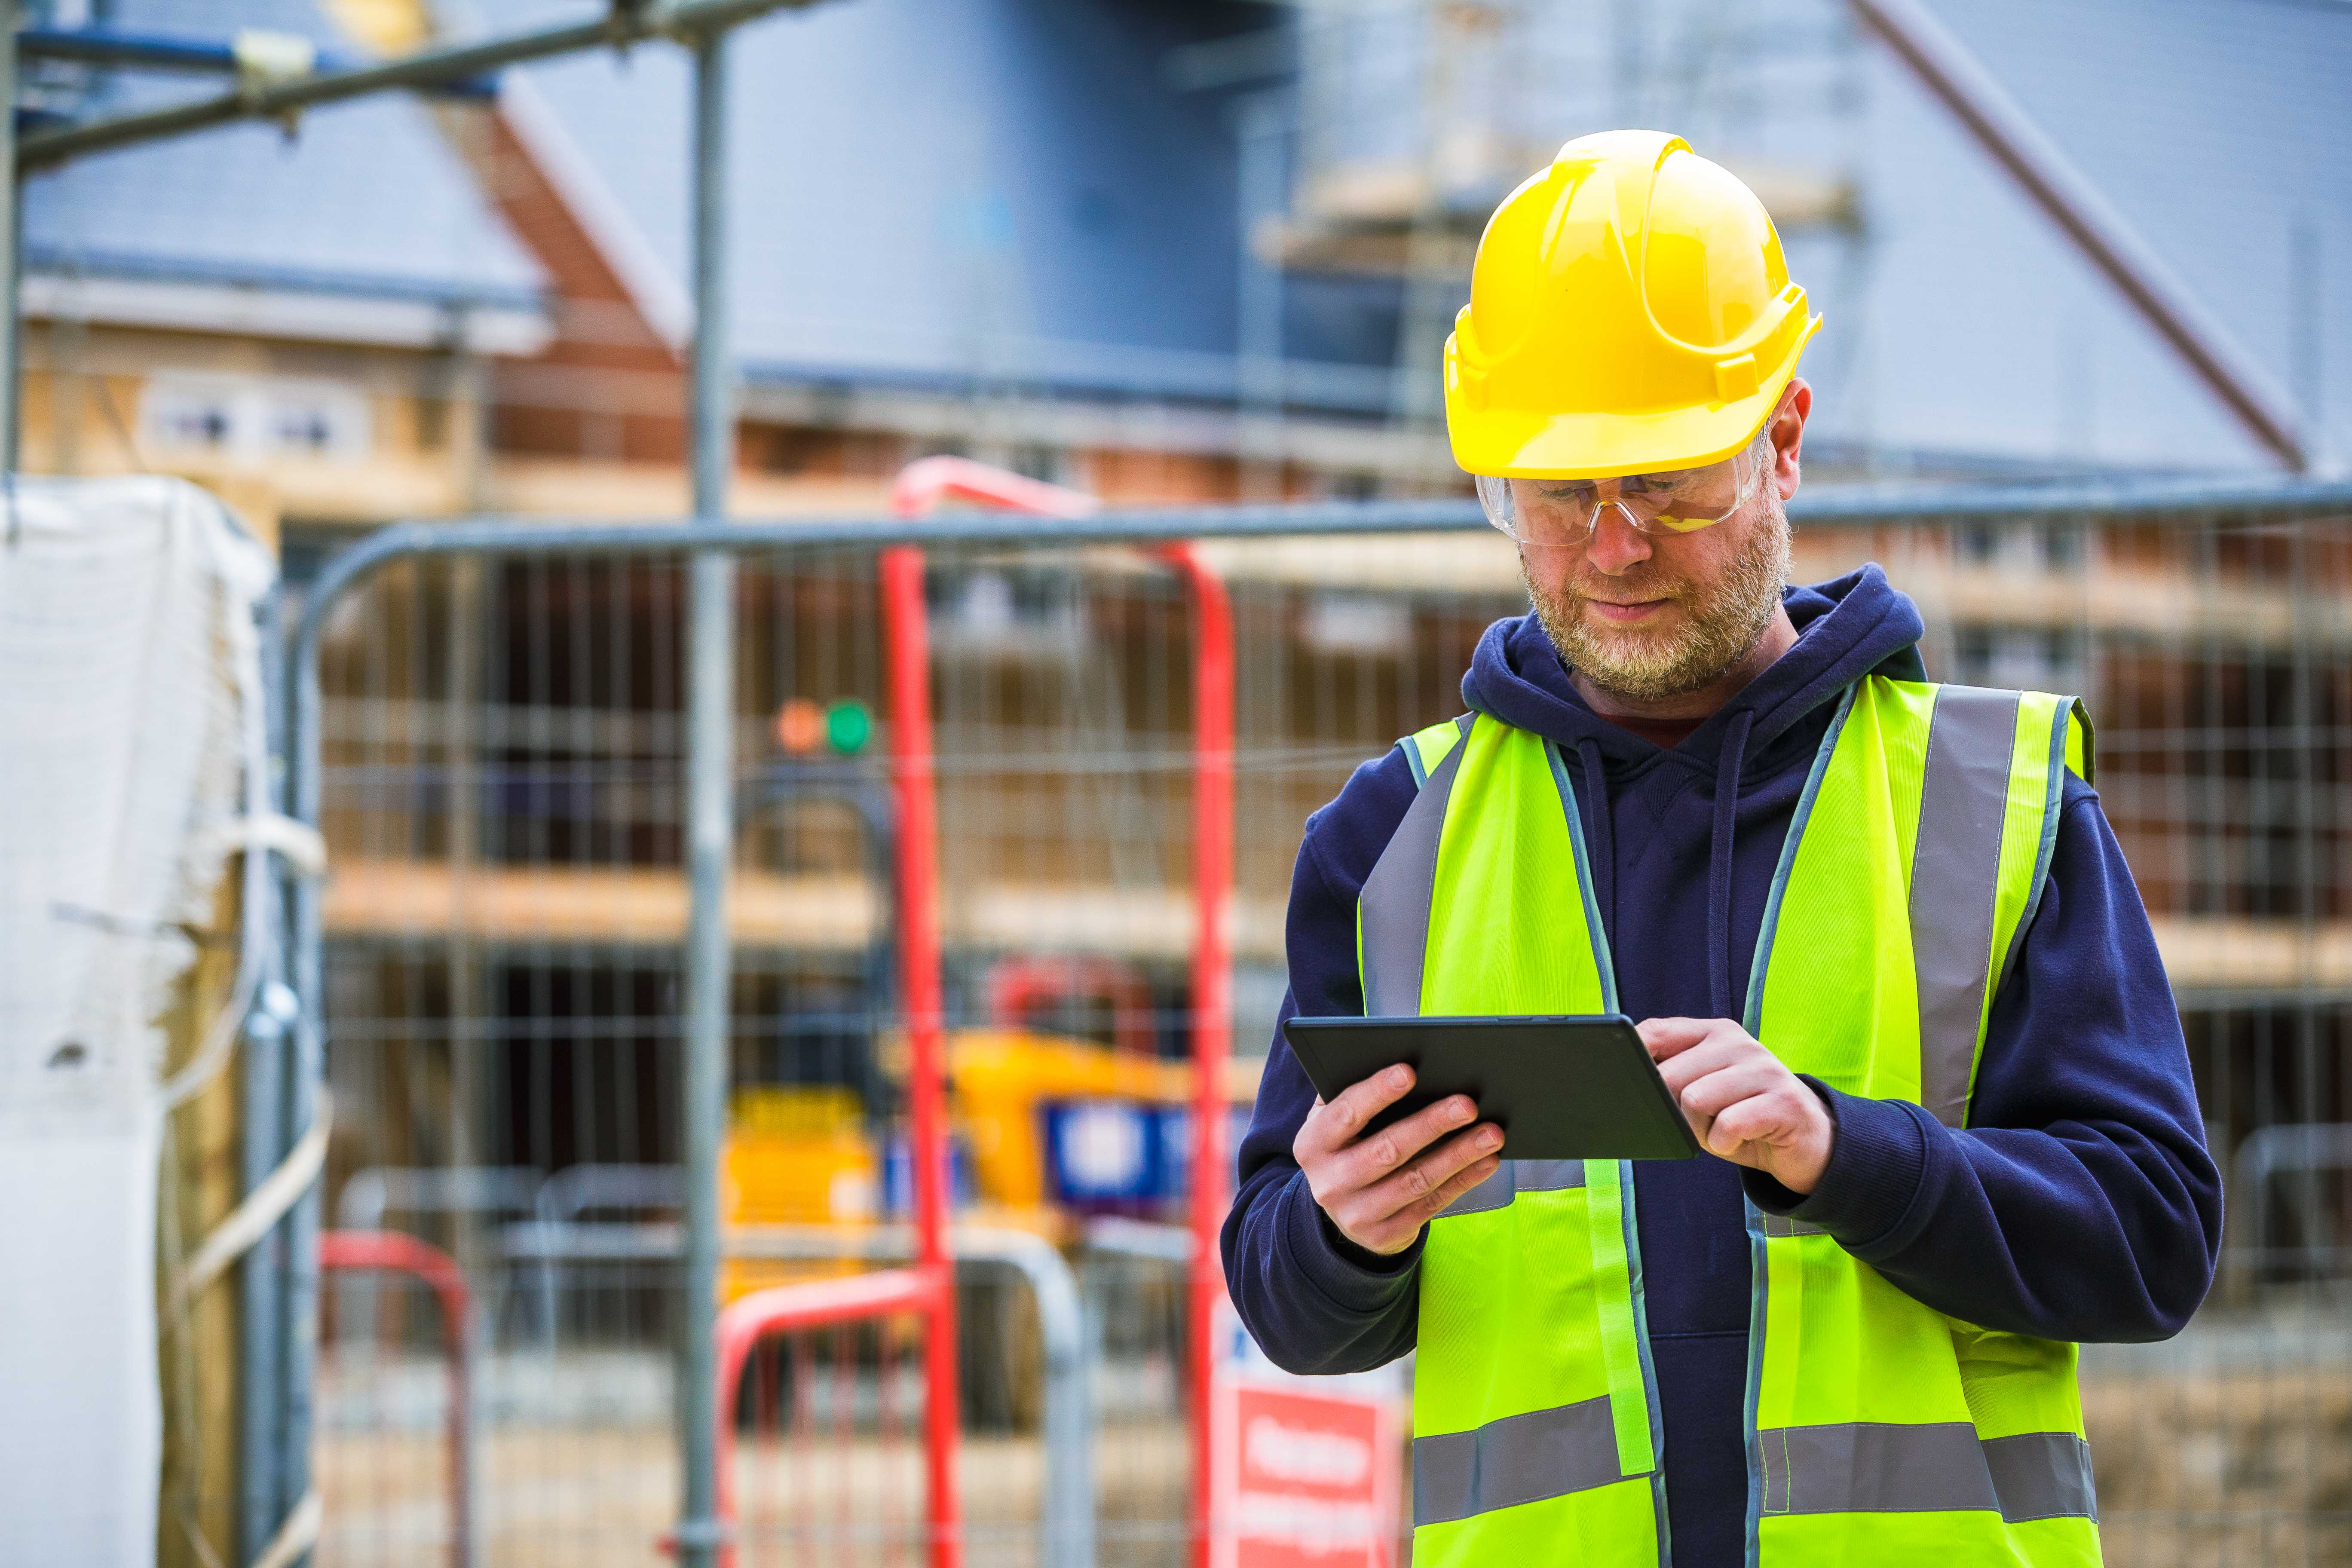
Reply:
x=1564, y=1088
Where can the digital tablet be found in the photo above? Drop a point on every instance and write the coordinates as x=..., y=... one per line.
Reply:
x=1559, y=1088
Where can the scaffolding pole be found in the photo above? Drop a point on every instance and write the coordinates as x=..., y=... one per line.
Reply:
x=710, y=810
x=279, y=1507
x=686, y=21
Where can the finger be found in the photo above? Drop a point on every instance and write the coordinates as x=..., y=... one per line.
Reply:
x=1666, y=1037
x=1725, y=1108
x=1715, y=1054
x=1420, y=1214
x=1711, y=1094
x=1304, y=1144
x=1393, y=1228
x=1377, y=1154
x=1773, y=1117
x=1426, y=1177
x=1335, y=1126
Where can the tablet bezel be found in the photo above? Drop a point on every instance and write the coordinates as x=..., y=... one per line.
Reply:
x=1494, y=1061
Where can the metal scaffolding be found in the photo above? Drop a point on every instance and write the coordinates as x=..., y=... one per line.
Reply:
x=276, y=1410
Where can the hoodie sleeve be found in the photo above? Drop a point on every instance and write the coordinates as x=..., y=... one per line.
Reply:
x=1314, y=1302
x=2080, y=1203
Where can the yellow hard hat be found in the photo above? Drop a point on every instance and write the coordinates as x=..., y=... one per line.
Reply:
x=1629, y=312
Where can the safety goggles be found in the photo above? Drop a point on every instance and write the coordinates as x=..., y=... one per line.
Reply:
x=1553, y=513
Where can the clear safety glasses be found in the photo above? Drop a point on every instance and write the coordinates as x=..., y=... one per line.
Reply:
x=1562, y=512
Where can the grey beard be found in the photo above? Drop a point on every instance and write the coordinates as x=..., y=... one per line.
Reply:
x=1722, y=628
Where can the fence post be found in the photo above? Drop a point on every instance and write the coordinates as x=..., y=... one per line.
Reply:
x=1213, y=871
x=261, y=1278
x=710, y=808
x=909, y=662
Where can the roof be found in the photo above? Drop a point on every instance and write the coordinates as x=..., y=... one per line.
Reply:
x=991, y=190
x=1011, y=191
x=366, y=200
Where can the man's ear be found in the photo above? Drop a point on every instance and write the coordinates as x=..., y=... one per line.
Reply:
x=1789, y=435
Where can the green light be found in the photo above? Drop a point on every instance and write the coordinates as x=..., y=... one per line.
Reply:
x=848, y=725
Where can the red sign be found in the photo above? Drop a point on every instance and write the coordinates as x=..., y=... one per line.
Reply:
x=1304, y=1479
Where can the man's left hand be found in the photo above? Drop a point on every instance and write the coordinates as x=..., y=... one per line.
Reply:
x=1743, y=1104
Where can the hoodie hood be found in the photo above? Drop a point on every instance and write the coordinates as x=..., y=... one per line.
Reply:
x=1846, y=629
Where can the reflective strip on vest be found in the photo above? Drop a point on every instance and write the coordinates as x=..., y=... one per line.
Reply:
x=1392, y=912
x=1777, y=1224
x=1513, y=1177
x=1955, y=867
x=1864, y=1467
x=1518, y=1459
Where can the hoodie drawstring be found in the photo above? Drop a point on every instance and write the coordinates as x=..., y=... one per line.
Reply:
x=1603, y=848
x=1719, y=862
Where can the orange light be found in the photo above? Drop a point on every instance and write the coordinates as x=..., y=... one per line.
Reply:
x=799, y=726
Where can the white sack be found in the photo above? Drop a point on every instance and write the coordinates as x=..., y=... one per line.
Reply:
x=127, y=655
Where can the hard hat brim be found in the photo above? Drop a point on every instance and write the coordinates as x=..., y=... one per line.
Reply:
x=1580, y=445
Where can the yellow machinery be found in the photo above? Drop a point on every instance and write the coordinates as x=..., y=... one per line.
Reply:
x=1000, y=1076
x=795, y=1154
x=801, y=1155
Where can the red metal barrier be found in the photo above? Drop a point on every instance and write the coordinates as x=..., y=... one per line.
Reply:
x=786, y=1307
x=905, y=629
x=1212, y=874
x=919, y=487
x=924, y=483
x=401, y=1254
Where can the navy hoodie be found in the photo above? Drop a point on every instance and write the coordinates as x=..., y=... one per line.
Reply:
x=2079, y=1203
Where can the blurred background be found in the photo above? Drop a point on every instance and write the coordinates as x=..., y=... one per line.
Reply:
x=2082, y=267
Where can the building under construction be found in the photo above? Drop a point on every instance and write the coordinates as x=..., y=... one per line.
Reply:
x=1156, y=256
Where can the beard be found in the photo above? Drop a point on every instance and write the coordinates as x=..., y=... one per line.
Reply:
x=1722, y=622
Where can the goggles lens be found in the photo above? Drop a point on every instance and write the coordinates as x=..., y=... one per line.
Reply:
x=1562, y=512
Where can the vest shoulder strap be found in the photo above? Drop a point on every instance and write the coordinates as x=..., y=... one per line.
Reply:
x=2082, y=749
x=1425, y=748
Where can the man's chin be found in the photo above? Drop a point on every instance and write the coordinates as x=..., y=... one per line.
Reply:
x=1642, y=662
x=1650, y=645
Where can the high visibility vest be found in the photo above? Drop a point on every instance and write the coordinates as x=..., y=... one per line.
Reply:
x=1878, y=1429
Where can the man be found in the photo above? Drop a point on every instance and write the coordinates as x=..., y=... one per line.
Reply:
x=1877, y=935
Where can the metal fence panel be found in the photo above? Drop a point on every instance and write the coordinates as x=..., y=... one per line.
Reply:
x=503, y=740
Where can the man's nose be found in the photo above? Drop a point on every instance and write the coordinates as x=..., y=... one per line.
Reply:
x=1616, y=545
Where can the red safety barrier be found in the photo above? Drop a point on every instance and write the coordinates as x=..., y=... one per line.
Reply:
x=907, y=632
x=922, y=485
x=394, y=1252
x=1212, y=874
x=784, y=1309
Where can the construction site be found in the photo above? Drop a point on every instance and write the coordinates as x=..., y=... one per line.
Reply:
x=666, y=660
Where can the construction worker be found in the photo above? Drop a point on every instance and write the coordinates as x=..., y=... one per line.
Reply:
x=1876, y=933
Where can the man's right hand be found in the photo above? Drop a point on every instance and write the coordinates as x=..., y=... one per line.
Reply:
x=1380, y=1191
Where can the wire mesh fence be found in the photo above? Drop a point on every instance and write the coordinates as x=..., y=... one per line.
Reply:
x=504, y=752
x=1134, y=1279
x=828, y=1459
